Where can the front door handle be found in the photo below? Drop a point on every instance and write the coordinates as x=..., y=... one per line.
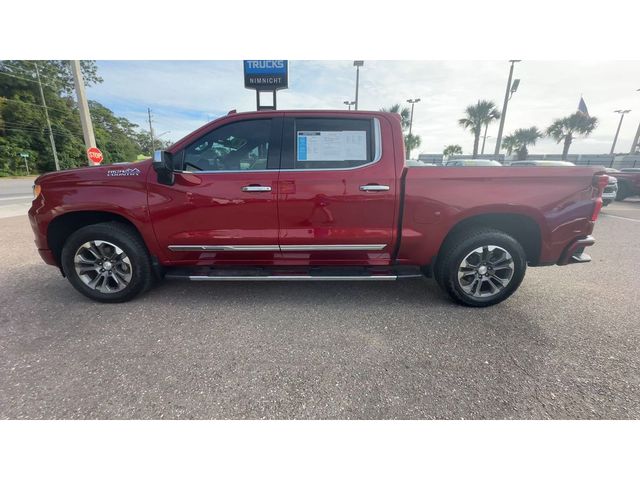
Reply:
x=256, y=188
x=374, y=188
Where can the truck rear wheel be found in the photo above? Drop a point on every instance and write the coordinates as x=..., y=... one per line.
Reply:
x=107, y=262
x=481, y=267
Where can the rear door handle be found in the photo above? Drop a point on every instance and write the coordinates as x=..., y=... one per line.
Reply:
x=256, y=188
x=374, y=188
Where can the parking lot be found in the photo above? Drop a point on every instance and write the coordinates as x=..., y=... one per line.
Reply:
x=566, y=345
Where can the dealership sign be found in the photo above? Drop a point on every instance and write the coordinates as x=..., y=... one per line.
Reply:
x=266, y=75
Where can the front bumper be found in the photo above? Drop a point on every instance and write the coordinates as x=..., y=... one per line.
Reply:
x=574, y=253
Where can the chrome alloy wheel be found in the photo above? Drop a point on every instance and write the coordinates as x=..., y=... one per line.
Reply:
x=485, y=271
x=103, y=266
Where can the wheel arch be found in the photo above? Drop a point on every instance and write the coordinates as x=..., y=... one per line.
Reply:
x=64, y=225
x=523, y=228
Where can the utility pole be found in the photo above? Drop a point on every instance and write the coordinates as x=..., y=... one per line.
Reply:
x=83, y=107
x=46, y=115
x=153, y=141
x=357, y=64
x=504, y=107
x=615, y=139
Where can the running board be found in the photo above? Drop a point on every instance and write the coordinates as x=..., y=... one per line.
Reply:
x=317, y=274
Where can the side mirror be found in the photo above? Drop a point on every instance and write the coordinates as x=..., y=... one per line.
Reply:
x=163, y=165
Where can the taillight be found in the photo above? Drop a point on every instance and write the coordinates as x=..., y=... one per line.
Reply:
x=599, y=181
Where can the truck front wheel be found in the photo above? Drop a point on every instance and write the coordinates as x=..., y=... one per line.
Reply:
x=107, y=262
x=481, y=267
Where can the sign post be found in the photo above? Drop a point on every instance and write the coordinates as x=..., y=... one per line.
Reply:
x=26, y=163
x=94, y=155
x=266, y=76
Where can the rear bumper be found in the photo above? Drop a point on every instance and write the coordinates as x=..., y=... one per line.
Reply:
x=574, y=253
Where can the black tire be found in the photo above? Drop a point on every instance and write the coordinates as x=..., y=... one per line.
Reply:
x=122, y=236
x=623, y=191
x=606, y=203
x=459, y=247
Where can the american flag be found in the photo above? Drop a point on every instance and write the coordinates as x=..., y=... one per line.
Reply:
x=582, y=107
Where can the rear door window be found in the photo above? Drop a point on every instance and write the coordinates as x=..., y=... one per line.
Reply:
x=331, y=143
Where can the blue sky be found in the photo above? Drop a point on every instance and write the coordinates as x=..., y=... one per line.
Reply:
x=183, y=95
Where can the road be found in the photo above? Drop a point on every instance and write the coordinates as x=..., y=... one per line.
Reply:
x=15, y=196
x=565, y=346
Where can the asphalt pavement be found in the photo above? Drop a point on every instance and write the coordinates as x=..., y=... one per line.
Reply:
x=15, y=196
x=565, y=346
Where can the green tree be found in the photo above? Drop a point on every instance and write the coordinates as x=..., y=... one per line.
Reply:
x=478, y=116
x=450, y=150
x=565, y=129
x=509, y=144
x=23, y=127
x=22, y=120
x=519, y=140
x=143, y=140
x=404, y=112
x=411, y=141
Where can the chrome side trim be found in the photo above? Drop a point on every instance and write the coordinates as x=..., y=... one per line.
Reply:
x=275, y=248
x=287, y=278
x=224, y=248
x=329, y=248
x=377, y=140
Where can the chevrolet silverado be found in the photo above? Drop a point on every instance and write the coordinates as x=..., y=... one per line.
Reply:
x=310, y=195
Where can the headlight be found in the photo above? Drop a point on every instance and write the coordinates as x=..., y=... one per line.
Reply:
x=36, y=191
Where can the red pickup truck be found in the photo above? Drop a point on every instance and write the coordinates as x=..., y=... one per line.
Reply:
x=310, y=195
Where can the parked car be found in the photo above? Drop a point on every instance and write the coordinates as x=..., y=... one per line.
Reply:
x=471, y=163
x=541, y=163
x=628, y=182
x=309, y=195
x=610, y=191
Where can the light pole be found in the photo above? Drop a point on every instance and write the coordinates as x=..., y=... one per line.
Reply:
x=413, y=102
x=357, y=64
x=349, y=103
x=636, y=139
x=484, y=140
x=507, y=95
x=615, y=139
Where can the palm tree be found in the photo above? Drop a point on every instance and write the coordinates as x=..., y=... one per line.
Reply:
x=405, y=114
x=450, y=150
x=520, y=140
x=565, y=129
x=411, y=141
x=477, y=116
x=509, y=143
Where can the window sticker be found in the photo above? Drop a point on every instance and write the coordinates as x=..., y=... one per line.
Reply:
x=332, y=146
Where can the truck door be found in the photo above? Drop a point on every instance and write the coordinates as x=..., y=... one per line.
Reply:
x=222, y=208
x=337, y=190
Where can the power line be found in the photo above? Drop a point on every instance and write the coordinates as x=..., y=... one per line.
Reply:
x=39, y=131
x=27, y=79
x=12, y=68
x=30, y=125
x=2, y=99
